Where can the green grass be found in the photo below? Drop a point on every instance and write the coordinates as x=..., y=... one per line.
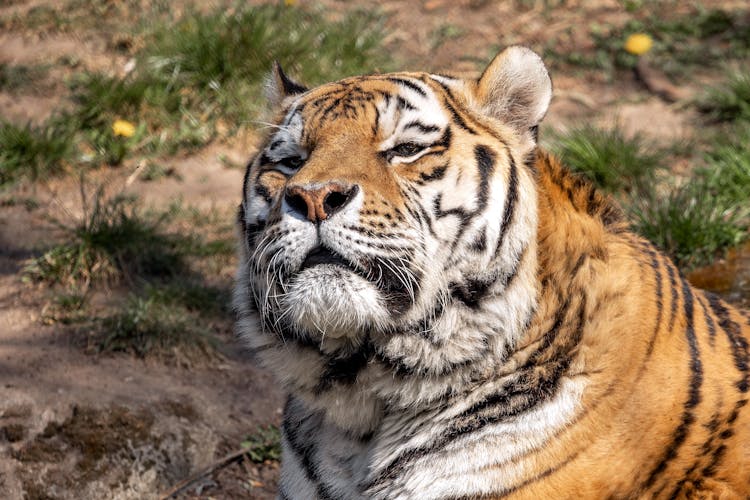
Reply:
x=192, y=295
x=150, y=327
x=611, y=160
x=206, y=68
x=703, y=37
x=444, y=34
x=728, y=102
x=194, y=74
x=33, y=152
x=700, y=218
x=114, y=241
x=20, y=77
x=688, y=225
x=694, y=220
x=264, y=445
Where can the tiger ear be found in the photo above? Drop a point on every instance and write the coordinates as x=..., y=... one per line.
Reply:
x=516, y=89
x=279, y=86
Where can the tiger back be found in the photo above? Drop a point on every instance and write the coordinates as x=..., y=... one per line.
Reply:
x=453, y=314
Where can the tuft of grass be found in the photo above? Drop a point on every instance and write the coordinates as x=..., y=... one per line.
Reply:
x=66, y=308
x=33, y=152
x=153, y=171
x=113, y=241
x=701, y=218
x=443, y=34
x=264, y=445
x=688, y=226
x=191, y=295
x=148, y=327
x=14, y=77
x=611, y=160
x=729, y=102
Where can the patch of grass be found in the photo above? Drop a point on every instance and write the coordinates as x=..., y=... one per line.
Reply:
x=149, y=327
x=688, y=226
x=33, y=152
x=66, y=308
x=20, y=77
x=264, y=445
x=729, y=102
x=114, y=240
x=611, y=160
x=192, y=295
x=225, y=48
x=728, y=167
x=209, y=67
x=704, y=216
x=697, y=38
x=444, y=33
x=153, y=171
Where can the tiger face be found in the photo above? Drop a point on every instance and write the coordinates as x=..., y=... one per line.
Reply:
x=375, y=198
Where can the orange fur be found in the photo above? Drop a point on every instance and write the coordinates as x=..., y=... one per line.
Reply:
x=642, y=433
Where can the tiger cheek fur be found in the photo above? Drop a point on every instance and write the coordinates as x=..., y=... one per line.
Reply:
x=454, y=315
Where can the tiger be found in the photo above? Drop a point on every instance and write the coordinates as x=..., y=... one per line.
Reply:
x=452, y=313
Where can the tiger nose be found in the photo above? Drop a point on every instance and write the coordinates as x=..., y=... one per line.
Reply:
x=317, y=203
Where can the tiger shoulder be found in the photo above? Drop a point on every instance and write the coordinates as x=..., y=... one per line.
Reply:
x=453, y=314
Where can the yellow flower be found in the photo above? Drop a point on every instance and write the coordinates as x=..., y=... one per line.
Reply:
x=290, y=3
x=123, y=128
x=638, y=43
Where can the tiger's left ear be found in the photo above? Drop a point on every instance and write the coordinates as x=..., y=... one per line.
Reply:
x=279, y=86
x=515, y=89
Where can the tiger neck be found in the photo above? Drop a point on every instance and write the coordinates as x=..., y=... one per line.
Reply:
x=523, y=334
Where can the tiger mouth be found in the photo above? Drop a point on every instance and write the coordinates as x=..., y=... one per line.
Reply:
x=321, y=255
x=387, y=281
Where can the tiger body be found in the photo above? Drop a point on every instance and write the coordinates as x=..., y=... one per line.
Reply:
x=455, y=315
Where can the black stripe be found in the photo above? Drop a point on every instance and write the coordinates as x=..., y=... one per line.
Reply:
x=408, y=84
x=437, y=174
x=404, y=104
x=659, y=303
x=485, y=159
x=737, y=342
x=673, y=305
x=304, y=447
x=344, y=370
x=510, y=203
x=694, y=393
x=457, y=118
x=479, y=244
x=425, y=129
x=710, y=324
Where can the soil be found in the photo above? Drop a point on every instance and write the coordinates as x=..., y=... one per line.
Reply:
x=80, y=426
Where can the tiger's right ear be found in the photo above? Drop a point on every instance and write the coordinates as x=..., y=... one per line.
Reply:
x=279, y=86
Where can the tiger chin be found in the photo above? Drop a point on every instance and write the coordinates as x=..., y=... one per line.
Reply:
x=453, y=314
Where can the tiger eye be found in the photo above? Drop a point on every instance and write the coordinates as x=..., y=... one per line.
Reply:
x=407, y=149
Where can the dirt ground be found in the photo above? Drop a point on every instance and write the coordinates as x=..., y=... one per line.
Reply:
x=80, y=426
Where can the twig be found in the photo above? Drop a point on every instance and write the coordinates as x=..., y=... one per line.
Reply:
x=185, y=483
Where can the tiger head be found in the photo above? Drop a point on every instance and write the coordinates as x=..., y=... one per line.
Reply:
x=393, y=207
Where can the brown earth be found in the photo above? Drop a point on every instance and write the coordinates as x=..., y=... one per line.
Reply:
x=80, y=426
